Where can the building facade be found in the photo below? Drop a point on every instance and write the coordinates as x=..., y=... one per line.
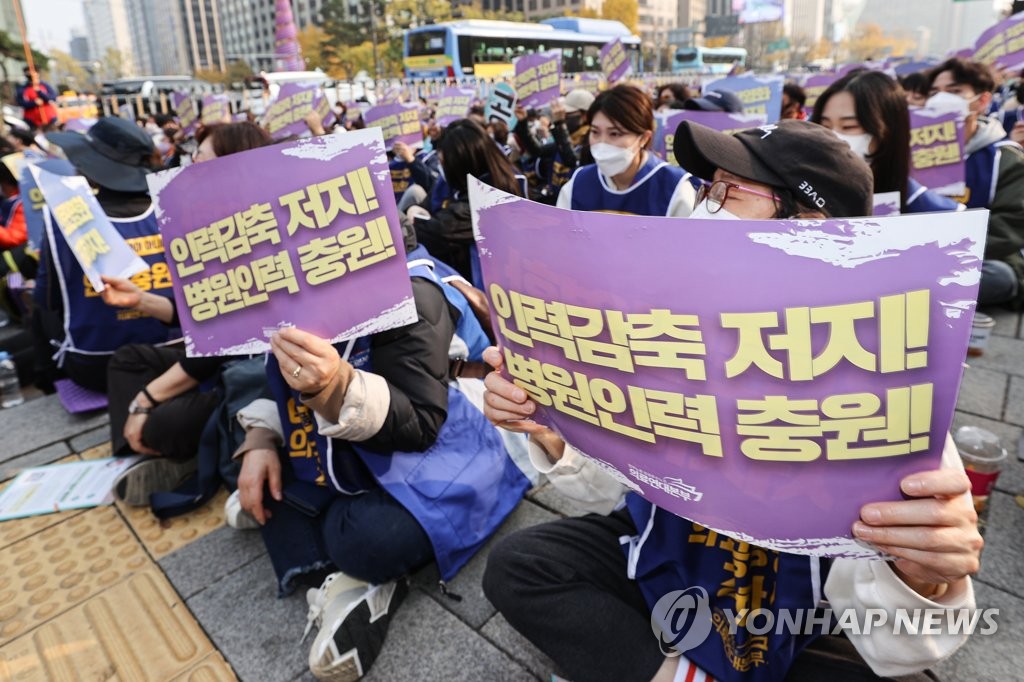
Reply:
x=248, y=28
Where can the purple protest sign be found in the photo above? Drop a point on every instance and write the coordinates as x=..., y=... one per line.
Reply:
x=311, y=239
x=937, y=151
x=98, y=246
x=538, y=79
x=815, y=85
x=765, y=384
x=759, y=94
x=185, y=110
x=399, y=123
x=286, y=115
x=667, y=124
x=1002, y=45
x=453, y=105
x=614, y=60
x=216, y=109
x=32, y=200
x=591, y=82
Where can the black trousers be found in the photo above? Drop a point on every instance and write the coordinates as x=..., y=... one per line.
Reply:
x=563, y=585
x=175, y=426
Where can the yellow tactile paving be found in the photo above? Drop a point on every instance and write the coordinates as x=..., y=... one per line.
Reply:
x=163, y=537
x=18, y=529
x=212, y=669
x=53, y=570
x=98, y=452
x=138, y=629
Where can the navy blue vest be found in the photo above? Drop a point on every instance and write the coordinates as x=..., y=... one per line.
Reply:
x=460, y=489
x=982, y=174
x=920, y=199
x=92, y=327
x=670, y=554
x=650, y=194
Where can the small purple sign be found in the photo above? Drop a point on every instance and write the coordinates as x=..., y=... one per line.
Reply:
x=759, y=94
x=216, y=109
x=615, y=61
x=453, y=105
x=538, y=79
x=815, y=85
x=667, y=124
x=98, y=246
x=311, y=239
x=286, y=115
x=1002, y=45
x=399, y=123
x=766, y=384
x=185, y=110
x=937, y=151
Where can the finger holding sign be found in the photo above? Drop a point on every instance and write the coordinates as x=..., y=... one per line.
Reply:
x=308, y=363
x=505, y=404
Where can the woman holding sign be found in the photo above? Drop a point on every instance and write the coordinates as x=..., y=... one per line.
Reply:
x=868, y=110
x=625, y=176
x=588, y=591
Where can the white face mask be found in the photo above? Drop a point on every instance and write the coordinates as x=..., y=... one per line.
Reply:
x=612, y=160
x=860, y=144
x=701, y=211
x=948, y=103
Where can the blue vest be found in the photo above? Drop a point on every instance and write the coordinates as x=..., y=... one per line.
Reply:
x=7, y=208
x=650, y=194
x=459, y=490
x=982, y=174
x=670, y=553
x=91, y=327
x=920, y=199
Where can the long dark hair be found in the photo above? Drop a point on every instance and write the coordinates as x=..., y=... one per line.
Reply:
x=466, y=148
x=882, y=112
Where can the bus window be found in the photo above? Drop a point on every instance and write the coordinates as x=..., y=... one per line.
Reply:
x=686, y=56
x=426, y=43
x=571, y=58
x=591, y=58
x=466, y=54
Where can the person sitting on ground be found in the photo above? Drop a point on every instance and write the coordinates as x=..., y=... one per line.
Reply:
x=715, y=100
x=583, y=589
x=994, y=176
x=367, y=464
x=115, y=157
x=156, y=404
x=669, y=93
x=867, y=110
x=793, y=101
x=915, y=86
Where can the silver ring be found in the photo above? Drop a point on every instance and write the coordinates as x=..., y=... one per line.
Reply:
x=295, y=372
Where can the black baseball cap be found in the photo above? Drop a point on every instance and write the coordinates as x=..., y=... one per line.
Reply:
x=807, y=159
x=114, y=153
x=715, y=100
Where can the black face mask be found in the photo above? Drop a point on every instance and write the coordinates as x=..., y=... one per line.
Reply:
x=573, y=122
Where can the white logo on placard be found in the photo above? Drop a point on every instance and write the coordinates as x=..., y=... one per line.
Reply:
x=671, y=485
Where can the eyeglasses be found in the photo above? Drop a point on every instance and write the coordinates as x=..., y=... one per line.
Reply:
x=717, y=193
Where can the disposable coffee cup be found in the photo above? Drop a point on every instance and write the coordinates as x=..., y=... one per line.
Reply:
x=983, y=457
x=981, y=330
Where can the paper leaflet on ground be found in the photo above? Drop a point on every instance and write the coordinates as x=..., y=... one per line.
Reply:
x=311, y=240
x=762, y=378
x=60, y=487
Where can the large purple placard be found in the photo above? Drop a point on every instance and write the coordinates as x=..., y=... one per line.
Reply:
x=937, y=151
x=667, y=124
x=310, y=239
x=216, y=109
x=538, y=79
x=398, y=122
x=1002, y=45
x=762, y=378
x=759, y=94
x=185, y=110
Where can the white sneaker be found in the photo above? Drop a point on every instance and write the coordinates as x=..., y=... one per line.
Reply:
x=353, y=618
x=235, y=516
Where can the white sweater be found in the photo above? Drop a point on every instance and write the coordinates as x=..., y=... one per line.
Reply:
x=852, y=583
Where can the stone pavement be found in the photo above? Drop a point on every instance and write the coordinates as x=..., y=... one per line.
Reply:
x=110, y=593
